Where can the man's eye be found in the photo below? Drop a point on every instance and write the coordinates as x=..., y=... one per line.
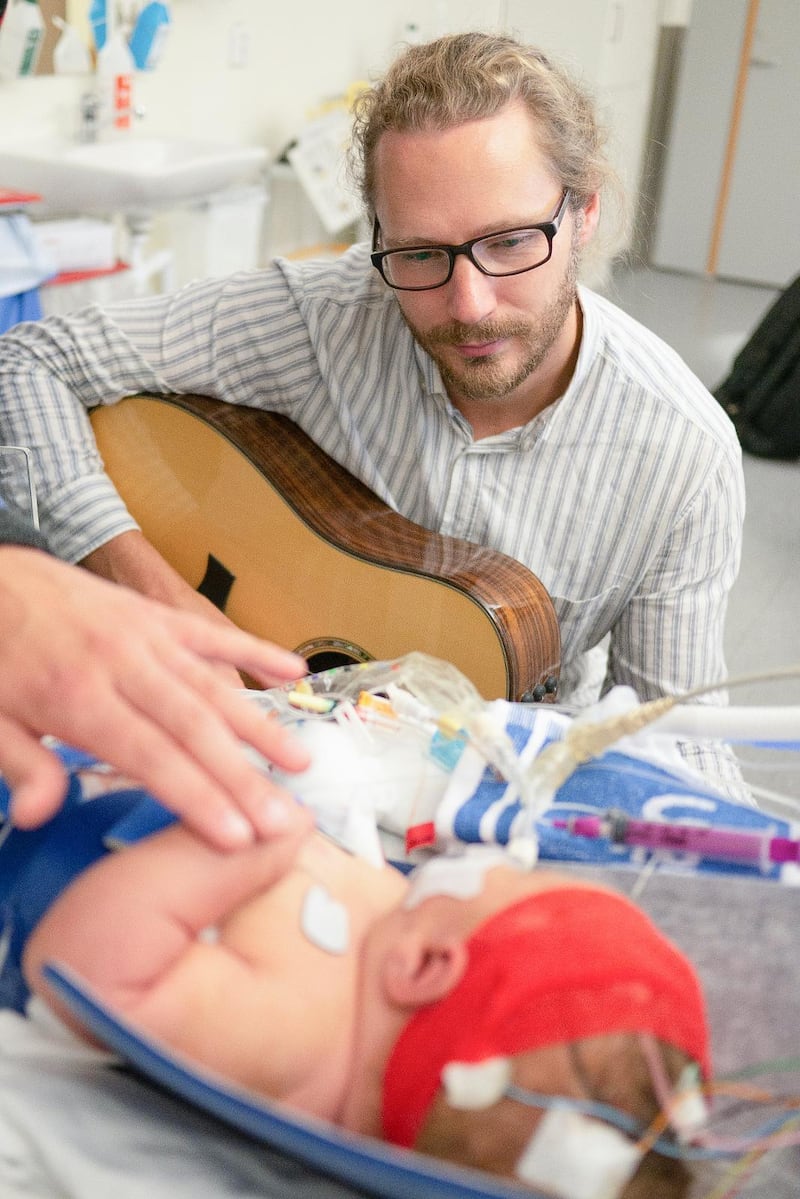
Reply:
x=417, y=257
x=521, y=239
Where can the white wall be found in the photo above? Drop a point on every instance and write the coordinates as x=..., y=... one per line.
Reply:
x=297, y=55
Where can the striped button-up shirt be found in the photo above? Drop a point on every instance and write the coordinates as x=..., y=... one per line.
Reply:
x=625, y=497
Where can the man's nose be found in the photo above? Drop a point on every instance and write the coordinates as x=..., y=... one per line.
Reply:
x=470, y=294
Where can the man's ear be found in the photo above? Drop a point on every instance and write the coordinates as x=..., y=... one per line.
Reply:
x=419, y=970
x=590, y=218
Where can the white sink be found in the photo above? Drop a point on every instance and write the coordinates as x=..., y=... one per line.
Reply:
x=135, y=175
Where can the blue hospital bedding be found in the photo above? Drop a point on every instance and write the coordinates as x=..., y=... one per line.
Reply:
x=641, y=784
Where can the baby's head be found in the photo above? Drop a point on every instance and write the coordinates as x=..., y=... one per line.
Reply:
x=565, y=991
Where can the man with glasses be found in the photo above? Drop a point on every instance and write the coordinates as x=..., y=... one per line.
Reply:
x=482, y=393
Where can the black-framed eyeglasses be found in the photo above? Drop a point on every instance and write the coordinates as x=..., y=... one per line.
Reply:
x=506, y=252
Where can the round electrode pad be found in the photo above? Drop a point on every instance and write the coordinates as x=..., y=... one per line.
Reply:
x=324, y=920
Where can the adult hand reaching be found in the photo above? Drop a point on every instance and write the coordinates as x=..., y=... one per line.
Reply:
x=137, y=684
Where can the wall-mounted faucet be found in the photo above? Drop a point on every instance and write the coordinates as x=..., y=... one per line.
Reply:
x=94, y=120
x=91, y=107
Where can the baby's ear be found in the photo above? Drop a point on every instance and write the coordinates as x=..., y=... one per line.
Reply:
x=421, y=969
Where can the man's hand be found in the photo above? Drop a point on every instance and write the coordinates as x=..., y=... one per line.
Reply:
x=137, y=684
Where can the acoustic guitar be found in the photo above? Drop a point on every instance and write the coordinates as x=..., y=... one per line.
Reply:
x=251, y=512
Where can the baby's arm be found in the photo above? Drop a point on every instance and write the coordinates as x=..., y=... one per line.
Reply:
x=127, y=920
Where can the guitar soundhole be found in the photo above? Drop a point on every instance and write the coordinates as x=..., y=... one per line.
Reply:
x=325, y=653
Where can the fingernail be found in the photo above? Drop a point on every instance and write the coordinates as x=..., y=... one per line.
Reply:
x=296, y=664
x=278, y=814
x=236, y=829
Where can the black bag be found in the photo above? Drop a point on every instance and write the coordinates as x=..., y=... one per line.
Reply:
x=762, y=392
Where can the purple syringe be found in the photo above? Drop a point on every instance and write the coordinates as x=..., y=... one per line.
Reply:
x=717, y=844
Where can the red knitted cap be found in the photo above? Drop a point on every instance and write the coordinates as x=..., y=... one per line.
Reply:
x=556, y=967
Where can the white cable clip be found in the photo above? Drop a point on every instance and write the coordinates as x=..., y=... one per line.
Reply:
x=473, y=1086
x=688, y=1111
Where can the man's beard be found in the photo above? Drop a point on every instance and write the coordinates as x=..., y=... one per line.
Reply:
x=485, y=378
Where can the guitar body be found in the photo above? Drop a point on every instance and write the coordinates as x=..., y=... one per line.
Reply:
x=248, y=509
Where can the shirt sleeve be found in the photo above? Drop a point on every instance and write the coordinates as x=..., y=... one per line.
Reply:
x=210, y=338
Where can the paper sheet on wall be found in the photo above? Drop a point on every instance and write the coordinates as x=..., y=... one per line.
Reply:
x=317, y=158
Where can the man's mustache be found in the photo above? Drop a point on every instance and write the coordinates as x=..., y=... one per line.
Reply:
x=456, y=333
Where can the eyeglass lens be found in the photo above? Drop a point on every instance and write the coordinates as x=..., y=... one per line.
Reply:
x=500, y=254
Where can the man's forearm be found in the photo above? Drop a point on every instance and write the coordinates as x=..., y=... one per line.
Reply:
x=130, y=559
